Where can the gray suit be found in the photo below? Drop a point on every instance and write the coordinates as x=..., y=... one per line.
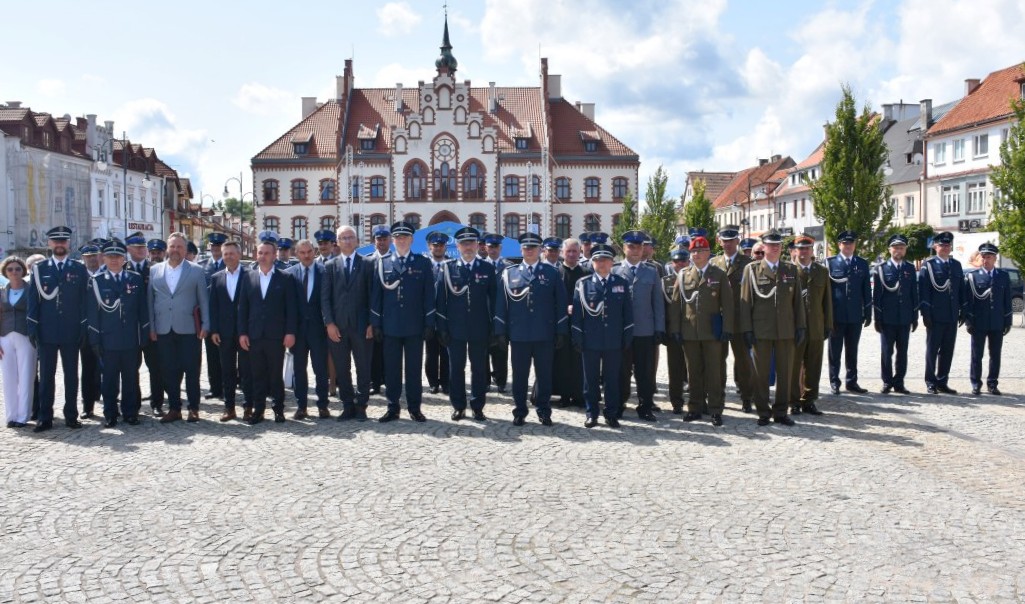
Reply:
x=345, y=303
x=171, y=318
x=649, y=314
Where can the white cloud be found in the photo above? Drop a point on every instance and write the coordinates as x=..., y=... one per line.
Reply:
x=150, y=122
x=51, y=87
x=393, y=73
x=263, y=100
x=396, y=19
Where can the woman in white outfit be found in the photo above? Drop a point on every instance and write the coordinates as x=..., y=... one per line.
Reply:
x=17, y=354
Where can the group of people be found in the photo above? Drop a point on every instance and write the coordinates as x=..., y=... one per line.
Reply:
x=588, y=326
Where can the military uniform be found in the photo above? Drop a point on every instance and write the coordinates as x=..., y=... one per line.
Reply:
x=498, y=354
x=90, y=382
x=150, y=351
x=940, y=284
x=675, y=357
x=895, y=298
x=213, y=357
x=807, y=368
x=743, y=371
x=988, y=317
x=850, y=288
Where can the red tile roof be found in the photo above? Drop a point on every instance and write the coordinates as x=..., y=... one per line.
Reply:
x=715, y=182
x=749, y=179
x=322, y=125
x=8, y=114
x=568, y=123
x=812, y=160
x=990, y=101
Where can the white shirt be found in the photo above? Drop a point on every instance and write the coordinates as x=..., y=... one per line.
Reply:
x=265, y=281
x=172, y=275
x=231, y=281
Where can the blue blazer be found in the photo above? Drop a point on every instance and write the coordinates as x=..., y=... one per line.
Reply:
x=612, y=329
x=467, y=317
x=403, y=303
x=988, y=311
x=851, y=288
x=224, y=310
x=61, y=320
x=125, y=327
x=270, y=318
x=540, y=315
x=944, y=306
x=310, y=316
x=899, y=307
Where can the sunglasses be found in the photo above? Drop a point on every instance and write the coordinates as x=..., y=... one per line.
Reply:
x=15, y=268
x=759, y=253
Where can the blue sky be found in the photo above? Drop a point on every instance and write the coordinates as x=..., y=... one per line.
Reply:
x=689, y=85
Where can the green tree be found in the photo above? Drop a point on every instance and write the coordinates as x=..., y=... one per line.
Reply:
x=852, y=192
x=627, y=220
x=237, y=208
x=699, y=214
x=659, y=216
x=918, y=236
x=1009, y=182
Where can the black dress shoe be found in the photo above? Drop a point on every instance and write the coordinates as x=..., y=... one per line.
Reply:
x=691, y=416
x=444, y=389
x=73, y=423
x=132, y=421
x=43, y=427
x=254, y=419
x=86, y=415
x=677, y=409
x=211, y=396
x=546, y=421
x=562, y=403
x=519, y=421
x=346, y=415
x=479, y=416
x=158, y=411
x=375, y=390
x=854, y=387
x=417, y=416
x=745, y=406
x=590, y=422
x=458, y=414
x=811, y=409
x=901, y=390
x=361, y=414
x=435, y=389
x=763, y=421
x=976, y=391
x=388, y=417
x=612, y=421
x=110, y=423
x=785, y=420
x=655, y=408
x=834, y=389
x=279, y=417
x=647, y=416
x=716, y=420
x=946, y=390
x=10, y=424
x=795, y=409
x=932, y=390
x=994, y=391
x=886, y=389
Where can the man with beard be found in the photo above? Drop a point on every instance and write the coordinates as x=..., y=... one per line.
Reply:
x=895, y=298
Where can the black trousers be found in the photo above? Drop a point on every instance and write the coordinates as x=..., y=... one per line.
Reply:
x=602, y=368
x=844, y=338
x=477, y=351
x=267, y=361
x=995, y=339
x=403, y=353
x=151, y=355
x=181, y=354
x=48, y=379
x=939, y=352
x=376, y=365
x=90, y=377
x=235, y=372
x=639, y=361
x=121, y=369
x=310, y=351
x=436, y=363
x=213, y=368
x=541, y=355
x=499, y=365
x=894, y=336
x=354, y=349
x=568, y=380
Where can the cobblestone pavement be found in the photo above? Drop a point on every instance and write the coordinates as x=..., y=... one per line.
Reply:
x=884, y=498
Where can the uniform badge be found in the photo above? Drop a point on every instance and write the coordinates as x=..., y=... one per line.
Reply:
x=618, y=289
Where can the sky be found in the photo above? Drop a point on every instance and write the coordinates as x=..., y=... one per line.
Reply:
x=687, y=84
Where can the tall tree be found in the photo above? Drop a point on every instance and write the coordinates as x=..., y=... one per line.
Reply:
x=852, y=192
x=659, y=216
x=627, y=220
x=698, y=212
x=1009, y=181
x=238, y=208
x=918, y=236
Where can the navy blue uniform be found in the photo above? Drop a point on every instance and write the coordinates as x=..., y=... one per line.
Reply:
x=402, y=306
x=531, y=312
x=988, y=316
x=310, y=336
x=150, y=350
x=465, y=308
x=234, y=361
x=118, y=322
x=602, y=328
x=852, y=308
x=90, y=383
x=895, y=298
x=499, y=355
x=436, y=361
x=58, y=324
x=942, y=307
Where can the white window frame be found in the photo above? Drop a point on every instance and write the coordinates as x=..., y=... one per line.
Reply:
x=978, y=141
x=939, y=154
x=909, y=206
x=977, y=197
x=959, y=150
x=100, y=201
x=951, y=200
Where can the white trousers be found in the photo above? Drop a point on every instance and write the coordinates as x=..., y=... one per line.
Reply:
x=19, y=374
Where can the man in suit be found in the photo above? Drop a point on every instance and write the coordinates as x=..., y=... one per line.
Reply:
x=818, y=306
x=602, y=319
x=90, y=363
x=733, y=263
x=773, y=320
x=402, y=315
x=225, y=296
x=436, y=361
x=940, y=282
x=895, y=298
x=177, y=292
x=326, y=241
x=57, y=325
x=988, y=316
x=465, y=305
x=850, y=286
x=382, y=246
x=499, y=355
x=345, y=305
x=568, y=381
x=649, y=323
x=213, y=359
x=310, y=336
x=118, y=322
x=266, y=327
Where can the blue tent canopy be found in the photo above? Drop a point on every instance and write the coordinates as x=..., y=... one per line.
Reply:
x=510, y=247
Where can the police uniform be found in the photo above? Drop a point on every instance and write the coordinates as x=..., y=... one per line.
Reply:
x=895, y=299
x=743, y=371
x=499, y=354
x=57, y=323
x=150, y=350
x=90, y=363
x=402, y=313
x=602, y=320
x=436, y=360
x=746, y=245
x=940, y=285
x=465, y=308
x=213, y=357
x=531, y=312
x=118, y=319
x=649, y=328
x=988, y=317
x=377, y=355
x=772, y=319
x=851, y=289
x=675, y=357
x=818, y=305
x=325, y=236
x=284, y=243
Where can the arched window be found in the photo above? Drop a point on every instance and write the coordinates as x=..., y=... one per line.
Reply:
x=444, y=182
x=512, y=186
x=415, y=181
x=272, y=223
x=619, y=188
x=479, y=221
x=563, y=226
x=592, y=188
x=376, y=187
x=328, y=223
x=535, y=188
x=300, y=228
x=615, y=221
x=413, y=219
x=562, y=188
x=270, y=190
x=592, y=222
x=376, y=219
x=299, y=189
x=327, y=189
x=535, y=223
x=511, y=225
x=473, y=181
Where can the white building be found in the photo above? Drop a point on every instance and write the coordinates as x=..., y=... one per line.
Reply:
x=749, y=199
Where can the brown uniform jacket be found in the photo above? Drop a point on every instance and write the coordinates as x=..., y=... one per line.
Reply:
x=735, y=273
x=778, y=316
x=818, y=300
x=674, y=311
x=707, y=303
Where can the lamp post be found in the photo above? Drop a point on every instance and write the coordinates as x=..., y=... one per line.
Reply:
x=241, y=195
x=102, y=165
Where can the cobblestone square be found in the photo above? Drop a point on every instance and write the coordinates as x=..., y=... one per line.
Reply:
x=884, y=498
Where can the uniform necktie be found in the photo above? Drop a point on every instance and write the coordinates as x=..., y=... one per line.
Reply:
x=633, y=271
x=604, y=285
x=530, y=272
x=60, y=267
x=117, y=279
x=306, y=281
x=348, y=265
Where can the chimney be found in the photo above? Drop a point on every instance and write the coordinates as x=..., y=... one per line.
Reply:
x=887, y=112
x=109, y=125
x=587, y=109
x=343, y=83
x=970, y=85
x=925, y=112
x=309, y=105
x=90, y=130
x=554, y=86
x=776, y=158
x=492, y=97
x=14, y=104
x=398, y=97
x=339, y=87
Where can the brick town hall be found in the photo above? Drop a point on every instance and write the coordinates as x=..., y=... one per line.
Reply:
x=496, y=158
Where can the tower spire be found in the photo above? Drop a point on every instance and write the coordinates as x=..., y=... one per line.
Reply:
x=446, y=61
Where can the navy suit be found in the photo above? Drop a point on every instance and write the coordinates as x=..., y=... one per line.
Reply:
x=895, y=312
x=942, y=306
x=90, y=382
x=988, y=316
x=150, y=350
x=600, y=336
x=436, y=362
x=213, y=357
x=465, y=308
x=266, y=321
x=118, y=320
x=310, y=337
x=531, y=312
x=345, y=303
x=402, y=306
x=499, y=355
x=234, y=362
x=59, y=326
x=851, y=288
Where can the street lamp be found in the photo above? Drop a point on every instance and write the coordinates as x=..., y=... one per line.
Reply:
x=241, y=195
x=102, y=165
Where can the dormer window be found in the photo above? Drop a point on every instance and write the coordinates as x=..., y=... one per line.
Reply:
x=591, y=140
x=1022, y=91
x=521, y=143
x=367, y=136
x=301, y=144
x=301, y=148
x=521, y=136
x=591, y=146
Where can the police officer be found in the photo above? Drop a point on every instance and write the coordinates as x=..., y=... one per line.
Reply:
x=466, y=293
x=988, y=316
x=648, y=255
x=705, y=316
x=585, y=247
x=649, y=323
x=157, y=249
x=818, y=305
x=746, y=245
x=382, y=246
x=850, y=286
x=150, y=351
x=57, y=325
x=733, y=263
x=90, y=364
x=531, y=313
x=773, y=320
x=568, y=381
x=284, y=260
x=213, y=358
x=939, y=289
x=191, y=251
x=895, y=298
x=675, y=357
x=602, y=328
x=436, y=361
x=117, y=318
x=402, y=315
x=326, y=241
x=499, y=355
x=552, y=249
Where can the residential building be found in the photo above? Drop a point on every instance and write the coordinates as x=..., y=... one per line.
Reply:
x=714, y=183
x=749, y=199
